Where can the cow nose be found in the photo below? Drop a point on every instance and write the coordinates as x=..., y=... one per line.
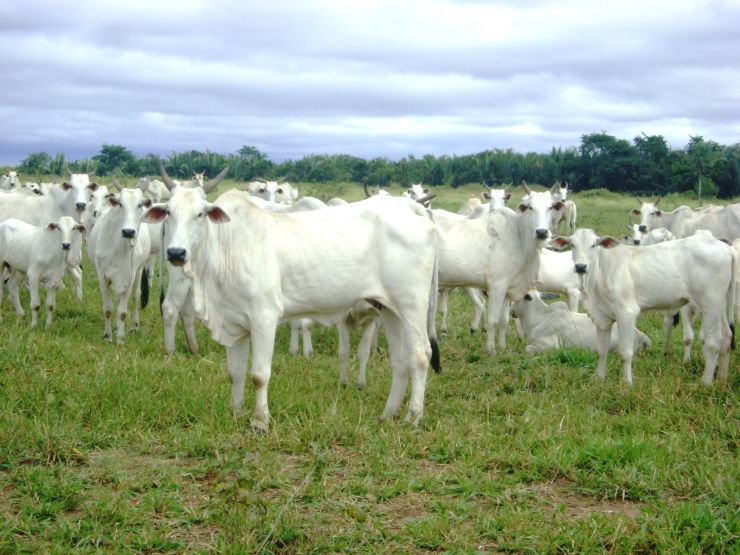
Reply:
x=81, y=206
x=65, y=246
x=642, y=228
x=581, y=268
x=175, y=255
x=128, y=233
x=636, y=241
x=541, y=234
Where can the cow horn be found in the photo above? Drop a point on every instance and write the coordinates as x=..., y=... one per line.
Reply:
x=166, y=178
x=116, y=184
x=211, y=184
x=527, y=190
x=424, y=201
x=69, y=172
x=639, y=200
x=556, y=186
x=657, y=200
x=367, y=193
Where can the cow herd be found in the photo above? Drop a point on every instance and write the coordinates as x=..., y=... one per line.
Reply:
x=250, y=260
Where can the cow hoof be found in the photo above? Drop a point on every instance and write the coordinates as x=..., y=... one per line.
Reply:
x=443, y=331
x=259, y=426
x=413, y=418
x=360, y=386
x=473, y=331
x=108, y=338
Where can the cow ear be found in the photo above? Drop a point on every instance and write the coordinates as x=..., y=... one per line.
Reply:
x=66, y=186
x=560, y=242
x=155, y=214
x=146, y=203
x=507, y=196
x=81, y=228
x=93, y=186
x=113, y=200
x=658, y=213
x=557, y=206
x=527, y=297
x=485, y=196
x=52, y=226
x=607, y=242
x=217, y=215
x=425, y=191
x=522, y=207
x=635, y=212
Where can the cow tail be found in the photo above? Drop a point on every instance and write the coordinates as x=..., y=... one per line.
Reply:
x=432, y=310
x=144, y=287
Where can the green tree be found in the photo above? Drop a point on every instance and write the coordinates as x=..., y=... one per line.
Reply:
x=115, y=157
x=704, y=155
x=36, y=164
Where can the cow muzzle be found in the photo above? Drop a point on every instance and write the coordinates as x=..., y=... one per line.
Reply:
x=636, y=241
x=542, y=234
x=65, y=246
x=176, y=256
x=128, y=233
x=81, y=206
x=642, y=228
x=581, y=268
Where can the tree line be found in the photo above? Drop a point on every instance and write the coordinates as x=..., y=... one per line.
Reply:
x=647, y=165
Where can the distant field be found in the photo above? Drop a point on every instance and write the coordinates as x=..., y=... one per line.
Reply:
x=121, y=449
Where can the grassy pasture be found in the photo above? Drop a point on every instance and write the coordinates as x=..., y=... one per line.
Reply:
x=121, y=449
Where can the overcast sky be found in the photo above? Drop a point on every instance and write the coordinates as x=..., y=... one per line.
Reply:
x=368, y=78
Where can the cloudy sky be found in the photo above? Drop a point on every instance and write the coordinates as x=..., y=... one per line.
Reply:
x=368, y=78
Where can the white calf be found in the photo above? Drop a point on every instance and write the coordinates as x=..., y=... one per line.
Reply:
x=41, y=255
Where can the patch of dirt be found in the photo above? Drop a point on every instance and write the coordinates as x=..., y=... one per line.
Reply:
x=579, y=505
x=403, y=508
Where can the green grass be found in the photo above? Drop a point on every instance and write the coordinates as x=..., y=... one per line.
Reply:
x=121, y=449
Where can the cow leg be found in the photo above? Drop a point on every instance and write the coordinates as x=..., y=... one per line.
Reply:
x=306, y=328
x=724, y=353
x=574, y=297
x=107, y=307
x=399, y=365
x=667, y=329
x=122, y=311
x=137, y=297
x=76, y=273
x=503, y=323
x=495, y=301
x=150, y=267
x=187, y=313
x=33, y=284
x=51, y=297
x=687, y=315
x=237, y=357
x=444, y=298
x=518, y=328
x=626, y=328
x=295, y=334
x=13, y=286
x=480, y=306
x=179, y=295
x=343, y=333
x=363, y=350
x=419, y=352
x=263, y=344
x=603, y=339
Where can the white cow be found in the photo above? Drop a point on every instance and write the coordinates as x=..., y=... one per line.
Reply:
x=153, y=189
x=498, y=253
x=722, y=222
x=119, y=247
x=548, y=327
x=40, y=255
x=568, y=213
x=306, y=265
x=556, y=275
x=273, y=191
x=9, y=181
x=620, y=282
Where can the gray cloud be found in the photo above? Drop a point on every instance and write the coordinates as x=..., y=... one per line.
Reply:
x=373, y=78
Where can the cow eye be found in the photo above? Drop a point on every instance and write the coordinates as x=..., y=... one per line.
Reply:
x=262, y=190
x=279, y=191
x=200, y=214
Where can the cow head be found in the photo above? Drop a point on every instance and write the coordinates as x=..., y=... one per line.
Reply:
x=649, y=214
x=10, y=181
x=187, y=213
x=496, y=198
x=416, y=192
x=98, y=203
x=584, y=243
x=129, y=206
x=273, y=191
x=76, y=192
x=70, y=234
x=542, y=206
x=635, y=237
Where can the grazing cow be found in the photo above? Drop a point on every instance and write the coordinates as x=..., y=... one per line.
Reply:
x=722, y=222
x=307, y=264
x=40, y=255
x=119, y=247
x=620, y=282
x=548, y=327
x=472, y=254
x=273, y=191
x=9, y=181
